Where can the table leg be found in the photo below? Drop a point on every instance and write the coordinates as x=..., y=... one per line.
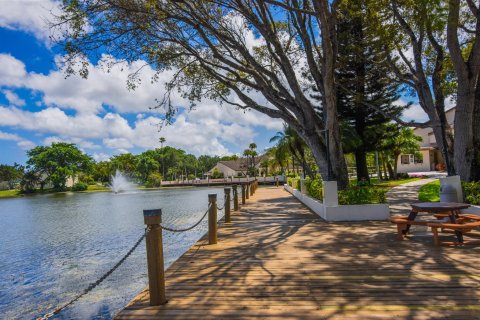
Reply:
x=452, y=216
x=411, y=217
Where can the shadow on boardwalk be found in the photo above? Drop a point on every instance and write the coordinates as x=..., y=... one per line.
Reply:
x=278, y=260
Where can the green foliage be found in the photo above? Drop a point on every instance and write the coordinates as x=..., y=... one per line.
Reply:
x=145, y=165
x=294, y=182
x=58, y=162
x=362, y=195
x=11, y=174
x=154, y=180
x=314, y=188
x=216, y=174
x=430, y=192
x=471, y=192
x=29, y=181
x=80, y=186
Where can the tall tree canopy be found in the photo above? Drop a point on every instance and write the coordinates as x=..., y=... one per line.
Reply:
x=364, y=81
x=229, y=51
x=58, y=162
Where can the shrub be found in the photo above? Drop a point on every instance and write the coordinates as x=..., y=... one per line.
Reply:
x=216, y=174
x=154, y=180
x=80, y=186
x=471, y=192
x=314, y=188
x=294, y=182
x=362, y=195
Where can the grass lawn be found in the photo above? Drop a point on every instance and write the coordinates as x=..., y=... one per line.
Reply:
x=9, y=193
x=430, y=192
x=96, y=188
x=392, y=183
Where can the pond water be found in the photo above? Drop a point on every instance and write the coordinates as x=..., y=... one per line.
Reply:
x=53, y=246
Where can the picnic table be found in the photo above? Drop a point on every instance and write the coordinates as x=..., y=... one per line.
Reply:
x=450, y=209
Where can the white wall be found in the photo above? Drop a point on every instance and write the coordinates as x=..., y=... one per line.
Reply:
x=415, y=167
x=362, y=212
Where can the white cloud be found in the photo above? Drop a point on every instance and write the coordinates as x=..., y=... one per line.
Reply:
x=21, y=142
x=13, y=98
x=413, y=113
x=100, y=156
x=204, y=130
x=12, y=71
x=30, y=16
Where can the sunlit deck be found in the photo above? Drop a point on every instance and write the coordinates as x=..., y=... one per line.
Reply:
x=278, y=260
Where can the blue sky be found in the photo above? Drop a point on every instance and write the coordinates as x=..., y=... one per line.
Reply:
x=39, y=106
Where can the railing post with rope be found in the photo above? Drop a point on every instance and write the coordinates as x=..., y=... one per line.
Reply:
x=251, y=188
x=276, y=181
x=212, y=219
x=235, y=197
x=247, y=191
x=156, y=272
x=227, y=205
x=243, y=194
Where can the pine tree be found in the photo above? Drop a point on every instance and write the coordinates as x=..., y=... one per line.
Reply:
x=363, y=81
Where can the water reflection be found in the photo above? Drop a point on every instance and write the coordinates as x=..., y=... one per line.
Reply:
x=54, y=245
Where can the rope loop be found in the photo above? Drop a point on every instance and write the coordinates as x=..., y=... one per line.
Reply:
x=189, y=228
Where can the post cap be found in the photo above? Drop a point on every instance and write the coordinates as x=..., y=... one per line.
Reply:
x=226, y=190
x=212, y=196
x=152, y=216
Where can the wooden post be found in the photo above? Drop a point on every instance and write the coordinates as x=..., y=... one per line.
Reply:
x=227, y=205
x=156, y=272
x=251, y=188
x=235, y=197
x=276, y=181
x=212, y=219
x=243, y=194
x=247, y=191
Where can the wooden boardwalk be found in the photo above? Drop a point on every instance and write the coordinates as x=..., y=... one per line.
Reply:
x=277, y=260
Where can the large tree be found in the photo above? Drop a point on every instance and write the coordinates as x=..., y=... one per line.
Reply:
x=57, y=162
x=227, y=50
x=364, y=81
x=463, y=40
x=413, y=37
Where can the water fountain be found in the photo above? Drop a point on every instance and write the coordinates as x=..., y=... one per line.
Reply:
x=120, y=183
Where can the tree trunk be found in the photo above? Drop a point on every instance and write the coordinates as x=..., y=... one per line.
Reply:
x=463, y=141
x=476, y=135
x=395, y=166
x=361, y=165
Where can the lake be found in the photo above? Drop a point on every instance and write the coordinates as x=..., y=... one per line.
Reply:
x=54, y=245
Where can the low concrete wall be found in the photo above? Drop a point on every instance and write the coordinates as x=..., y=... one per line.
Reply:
x=361, y=212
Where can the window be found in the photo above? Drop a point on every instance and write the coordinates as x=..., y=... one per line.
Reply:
x=410, y=159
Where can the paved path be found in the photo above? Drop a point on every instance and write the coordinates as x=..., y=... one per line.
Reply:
x=278, y=260
x=399, y=198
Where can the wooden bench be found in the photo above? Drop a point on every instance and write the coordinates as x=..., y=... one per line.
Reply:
x=464, y=228
x=402, y=222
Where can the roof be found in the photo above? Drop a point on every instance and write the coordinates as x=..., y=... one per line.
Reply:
x=240, y=164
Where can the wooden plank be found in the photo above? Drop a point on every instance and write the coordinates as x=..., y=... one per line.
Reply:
x=277, y=260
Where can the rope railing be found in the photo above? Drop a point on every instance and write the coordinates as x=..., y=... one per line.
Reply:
x=189, y=228
x=151, y=225
x=93, y=285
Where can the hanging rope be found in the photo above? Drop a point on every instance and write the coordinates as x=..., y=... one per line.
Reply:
x=93, y=285
x=189, y=228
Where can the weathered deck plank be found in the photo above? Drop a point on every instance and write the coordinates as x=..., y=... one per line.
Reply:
x=277, y=260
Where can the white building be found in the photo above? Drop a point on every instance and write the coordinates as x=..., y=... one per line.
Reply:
x=235, y=168
x=432, y=159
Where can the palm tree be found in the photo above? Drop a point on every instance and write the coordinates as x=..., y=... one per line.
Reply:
x=401, y=141
x=162, y=140
x=290, y=142
x=251, y=152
